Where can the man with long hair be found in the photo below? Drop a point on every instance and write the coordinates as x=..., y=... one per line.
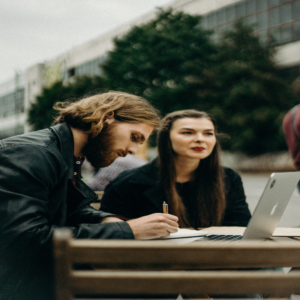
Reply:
x=41, y=189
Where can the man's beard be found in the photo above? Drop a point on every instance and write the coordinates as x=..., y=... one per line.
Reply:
x=99, y=150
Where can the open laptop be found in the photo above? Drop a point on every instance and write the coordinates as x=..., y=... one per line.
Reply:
x=268, y=211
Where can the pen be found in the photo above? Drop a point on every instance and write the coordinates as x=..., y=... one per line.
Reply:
x=165, y=208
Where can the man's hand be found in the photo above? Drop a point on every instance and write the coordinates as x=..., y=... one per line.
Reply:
x=153, y=226
x=111, y=219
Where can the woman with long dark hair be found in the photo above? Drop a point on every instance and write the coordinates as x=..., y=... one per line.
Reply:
x=187, y=175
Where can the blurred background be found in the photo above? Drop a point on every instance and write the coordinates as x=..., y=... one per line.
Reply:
x=236, y=59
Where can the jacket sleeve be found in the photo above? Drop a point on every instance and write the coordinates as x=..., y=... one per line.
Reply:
x=79, y=209
x=25, y=209
x=237, y=212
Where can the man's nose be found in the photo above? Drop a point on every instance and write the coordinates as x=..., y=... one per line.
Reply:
x=133, y=148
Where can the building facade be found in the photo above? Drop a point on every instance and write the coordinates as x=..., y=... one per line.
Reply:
x=281, y=18
x=12, y=110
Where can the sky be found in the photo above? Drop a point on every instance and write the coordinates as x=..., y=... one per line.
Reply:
x=33, y=31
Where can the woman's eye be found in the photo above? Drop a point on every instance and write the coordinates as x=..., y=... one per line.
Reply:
x=209, y=133
x=186, y=132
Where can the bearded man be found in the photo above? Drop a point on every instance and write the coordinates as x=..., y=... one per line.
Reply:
x=41, y=189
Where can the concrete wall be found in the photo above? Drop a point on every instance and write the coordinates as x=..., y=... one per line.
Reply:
x=201, y=7
x=288, y=55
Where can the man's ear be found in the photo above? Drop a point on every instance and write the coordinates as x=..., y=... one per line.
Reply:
x=109, y=118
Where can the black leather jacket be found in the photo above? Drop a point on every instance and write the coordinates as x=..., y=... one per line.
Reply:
x=36, y=196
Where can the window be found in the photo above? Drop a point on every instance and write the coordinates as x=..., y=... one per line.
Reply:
x=261, y=5
x=12, y=104
x=262, y=20
x=221, y=30
x=221, y=16
x=250, y=7
x=285, y=12
x=230, y=13
x=273, y=3
x=297, y=30
x=203, y=22
x=274, y=16
x=251, y=20
x=296, y=9
x=275, y=34
x=240, y=9
x=212, y=20
x=285, y=33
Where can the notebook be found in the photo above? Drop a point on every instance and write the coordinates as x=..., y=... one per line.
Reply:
x=268, y=211
x=185, y=233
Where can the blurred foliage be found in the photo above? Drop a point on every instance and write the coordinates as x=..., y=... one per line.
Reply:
x=249, y=98
x=164, y=61
x=172, y=62
x=41, y=113
x=296, y=88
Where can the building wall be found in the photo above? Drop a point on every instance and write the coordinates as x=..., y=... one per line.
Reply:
x=12, y=112
x=34, y=82
x=281, y=18
x=201, y=7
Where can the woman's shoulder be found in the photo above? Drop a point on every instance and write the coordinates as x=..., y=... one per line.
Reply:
x=228, y=172
x=146, y=174
x=231, y=177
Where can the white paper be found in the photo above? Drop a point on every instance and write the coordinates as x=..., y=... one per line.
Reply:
x=185, y=233
x=182, y=241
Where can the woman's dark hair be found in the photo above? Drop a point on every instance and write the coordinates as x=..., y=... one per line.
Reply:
x=207, y=179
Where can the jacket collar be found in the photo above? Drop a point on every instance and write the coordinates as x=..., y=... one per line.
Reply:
x=66, y=145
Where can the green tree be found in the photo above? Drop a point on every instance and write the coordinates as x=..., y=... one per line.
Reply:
x=164, y=61
x=41, y=113
x=173, y=63
x=249, y=98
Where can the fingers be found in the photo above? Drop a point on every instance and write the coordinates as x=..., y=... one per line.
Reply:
x=172, y=229
x=169, y=216
x=164, y=230
x=166, y=218
x=154, y=226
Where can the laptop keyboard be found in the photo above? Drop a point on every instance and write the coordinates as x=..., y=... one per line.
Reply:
x=220, y=237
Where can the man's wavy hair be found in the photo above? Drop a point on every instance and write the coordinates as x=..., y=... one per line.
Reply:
x=89, y=113
x=207, y=179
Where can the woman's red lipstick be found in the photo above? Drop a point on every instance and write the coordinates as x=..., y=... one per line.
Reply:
x=198, y=149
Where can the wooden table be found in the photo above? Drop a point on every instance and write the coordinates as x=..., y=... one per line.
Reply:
x=161, y=268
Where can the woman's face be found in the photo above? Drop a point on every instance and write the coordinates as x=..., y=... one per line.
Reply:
x=193, y=138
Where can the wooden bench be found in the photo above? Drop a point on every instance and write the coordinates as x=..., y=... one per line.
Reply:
x=149, y=269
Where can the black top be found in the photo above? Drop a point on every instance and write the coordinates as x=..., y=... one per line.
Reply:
x=138, y=192
x=187, y=193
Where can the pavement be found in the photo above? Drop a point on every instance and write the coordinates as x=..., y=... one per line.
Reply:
x=254, y=184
